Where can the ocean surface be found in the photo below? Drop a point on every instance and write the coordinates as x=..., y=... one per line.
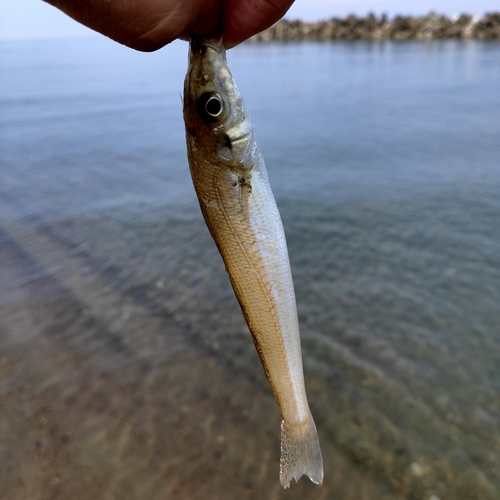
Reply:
x=126, y=369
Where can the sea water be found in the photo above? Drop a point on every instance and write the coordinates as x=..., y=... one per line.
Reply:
x=126, y=369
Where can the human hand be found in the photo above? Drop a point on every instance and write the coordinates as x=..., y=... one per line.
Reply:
x=148, y=25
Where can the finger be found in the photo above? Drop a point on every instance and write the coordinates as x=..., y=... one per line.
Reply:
x=245, y=18
x=144, y=25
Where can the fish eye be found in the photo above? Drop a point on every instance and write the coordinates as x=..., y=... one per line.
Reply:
x=211, y=107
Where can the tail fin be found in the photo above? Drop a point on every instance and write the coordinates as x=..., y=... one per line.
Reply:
x=300, y=453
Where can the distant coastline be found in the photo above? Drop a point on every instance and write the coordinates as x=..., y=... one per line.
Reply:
x=371, y=27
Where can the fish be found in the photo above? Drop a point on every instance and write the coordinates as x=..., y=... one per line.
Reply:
x=232, y=186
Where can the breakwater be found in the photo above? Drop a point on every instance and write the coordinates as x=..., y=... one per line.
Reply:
x=371, y=27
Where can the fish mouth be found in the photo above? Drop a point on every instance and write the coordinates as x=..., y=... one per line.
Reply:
x=239, y=148
x=243, y=148
x=200, y=44
x=239, y=136
x=236, y=141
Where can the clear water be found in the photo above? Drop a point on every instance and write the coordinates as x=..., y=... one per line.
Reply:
x=126, y=370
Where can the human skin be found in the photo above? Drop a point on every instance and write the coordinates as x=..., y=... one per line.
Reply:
x=148, y=25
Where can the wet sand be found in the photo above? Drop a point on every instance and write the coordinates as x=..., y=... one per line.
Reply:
x=120, y=383
x=112, y=389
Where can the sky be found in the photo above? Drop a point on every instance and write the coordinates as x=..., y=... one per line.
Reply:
x=36, y=19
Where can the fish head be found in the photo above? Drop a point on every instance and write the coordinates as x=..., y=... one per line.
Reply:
x=217, y=124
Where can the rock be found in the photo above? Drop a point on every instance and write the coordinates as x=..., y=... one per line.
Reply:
x=429, y=27
x=488, y=28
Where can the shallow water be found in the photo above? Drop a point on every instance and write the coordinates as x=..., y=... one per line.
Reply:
x=126, y=368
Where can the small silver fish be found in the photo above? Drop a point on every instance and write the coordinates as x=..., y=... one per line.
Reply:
x=231, y=182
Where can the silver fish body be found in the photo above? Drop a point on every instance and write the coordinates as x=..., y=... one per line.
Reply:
x=231, y=182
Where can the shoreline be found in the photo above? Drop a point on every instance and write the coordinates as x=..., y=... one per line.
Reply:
x=429, y=27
